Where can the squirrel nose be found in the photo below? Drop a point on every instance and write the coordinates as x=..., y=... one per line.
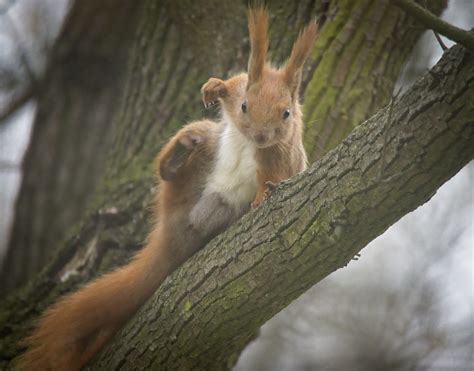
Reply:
x=260, y=138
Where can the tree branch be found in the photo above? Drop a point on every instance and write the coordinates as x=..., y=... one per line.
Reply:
x=431, y=21
x=5, y=7
x=16, y=103
x=33, y=80
x=208, y=310
x=440, y=41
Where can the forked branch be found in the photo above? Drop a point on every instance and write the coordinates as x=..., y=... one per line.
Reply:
x=436, y=24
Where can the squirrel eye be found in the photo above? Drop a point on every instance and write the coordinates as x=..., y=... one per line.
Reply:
x=244, y=107
x=286, y=114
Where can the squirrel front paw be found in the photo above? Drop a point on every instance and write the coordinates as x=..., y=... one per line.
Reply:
x=212, y=90
x=262, y=194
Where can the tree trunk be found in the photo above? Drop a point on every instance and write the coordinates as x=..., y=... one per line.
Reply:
x=177, y=46
x=76, y=113
x=209, y=309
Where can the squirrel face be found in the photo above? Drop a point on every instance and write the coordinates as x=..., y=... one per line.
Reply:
x=266, y=112
x=263, y=104
x=270, y=107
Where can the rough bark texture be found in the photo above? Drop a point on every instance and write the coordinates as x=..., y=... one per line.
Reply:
x=357, y=69
x=77, y=104
x=313, y=224
x=177, y=46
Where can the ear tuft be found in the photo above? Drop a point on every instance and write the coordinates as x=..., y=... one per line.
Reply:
x=258, y=31
x=300, y=52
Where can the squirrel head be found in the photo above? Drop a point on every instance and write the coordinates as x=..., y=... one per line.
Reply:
x=269, y=109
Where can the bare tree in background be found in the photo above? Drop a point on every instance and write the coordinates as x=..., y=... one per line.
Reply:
x=28, y=30
x=76, y=94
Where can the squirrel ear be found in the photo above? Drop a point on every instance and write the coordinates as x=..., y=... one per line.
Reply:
x=258, y=31
x=300, y=52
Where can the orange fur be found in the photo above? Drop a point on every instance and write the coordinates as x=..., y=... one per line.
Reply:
x=300, y=52
x=74, y=328
x=71, y=331
x=267, y=93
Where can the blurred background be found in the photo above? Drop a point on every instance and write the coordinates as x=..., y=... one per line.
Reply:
x=28, y=29
x=406, y=303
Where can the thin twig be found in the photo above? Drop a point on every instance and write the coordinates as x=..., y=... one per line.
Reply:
x=433, y=22
x=438, y=38
x=16, y=103
x=440, y=42
x=6, y=6
x=22, y=51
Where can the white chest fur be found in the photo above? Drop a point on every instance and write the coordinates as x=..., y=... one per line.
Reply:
x=234, y=174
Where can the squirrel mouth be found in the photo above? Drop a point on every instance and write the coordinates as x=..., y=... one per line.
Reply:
x=262, y=145
x=262, y=140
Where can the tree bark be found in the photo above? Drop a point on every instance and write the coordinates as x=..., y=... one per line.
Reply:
x=177, y=46
x=312, y=225
x=77, y=100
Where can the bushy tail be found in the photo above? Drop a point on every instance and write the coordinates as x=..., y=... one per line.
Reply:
x=71, y=331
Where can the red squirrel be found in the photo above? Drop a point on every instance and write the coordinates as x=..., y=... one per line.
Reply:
x=209, y=175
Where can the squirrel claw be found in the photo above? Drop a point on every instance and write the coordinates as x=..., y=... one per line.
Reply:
x=212, y=90
x=210, y=104
x=262, y=197
x=271, y=186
